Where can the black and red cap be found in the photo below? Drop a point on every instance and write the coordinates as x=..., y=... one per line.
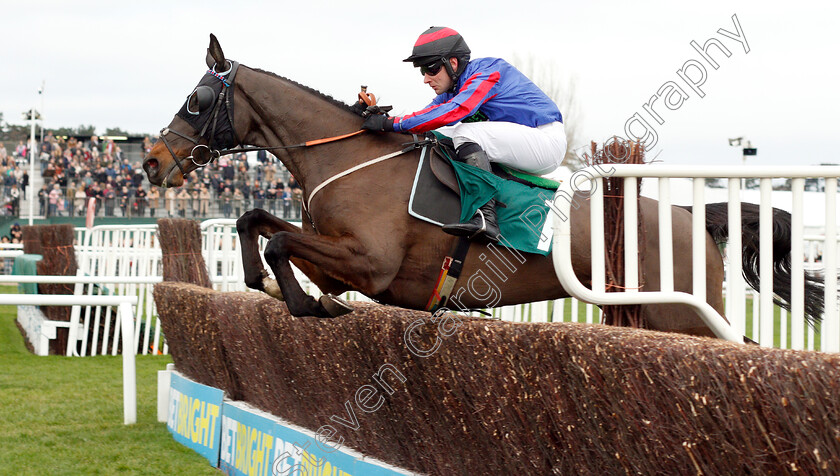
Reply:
x=438, y=42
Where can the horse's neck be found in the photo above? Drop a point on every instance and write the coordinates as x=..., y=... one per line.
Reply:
x=283, y=113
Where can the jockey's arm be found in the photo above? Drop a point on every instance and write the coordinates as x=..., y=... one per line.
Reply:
x=447, y=109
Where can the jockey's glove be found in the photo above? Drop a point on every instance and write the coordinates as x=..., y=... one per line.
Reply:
x=359, y=107
x=379, y=123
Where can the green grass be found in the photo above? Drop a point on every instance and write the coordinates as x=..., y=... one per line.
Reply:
x=777, y=327
x=61, y=415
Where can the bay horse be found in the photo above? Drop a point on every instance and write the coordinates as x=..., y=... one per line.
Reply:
x=356, y=232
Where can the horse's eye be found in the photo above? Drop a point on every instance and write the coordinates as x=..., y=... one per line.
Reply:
x=200, y=100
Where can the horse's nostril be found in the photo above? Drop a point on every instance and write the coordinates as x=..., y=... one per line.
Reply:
x=151, y=164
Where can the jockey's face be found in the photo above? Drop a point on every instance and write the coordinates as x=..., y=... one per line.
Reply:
x=441, y=82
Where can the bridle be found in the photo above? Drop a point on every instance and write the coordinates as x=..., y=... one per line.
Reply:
x=203, y=154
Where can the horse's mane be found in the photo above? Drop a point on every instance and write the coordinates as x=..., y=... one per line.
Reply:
x=326, y=97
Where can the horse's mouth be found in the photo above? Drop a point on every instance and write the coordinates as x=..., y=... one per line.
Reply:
x=171, y=177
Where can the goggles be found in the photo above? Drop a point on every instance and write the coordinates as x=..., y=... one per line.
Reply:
x=432, y=68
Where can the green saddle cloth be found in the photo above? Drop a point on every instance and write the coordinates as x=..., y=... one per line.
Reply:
x=522, y=222
x=534, y=179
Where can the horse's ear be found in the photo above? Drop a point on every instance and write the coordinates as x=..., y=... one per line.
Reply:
x=209, y=60
x=214, y=53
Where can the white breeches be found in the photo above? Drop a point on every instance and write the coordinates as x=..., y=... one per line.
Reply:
x=536, y=150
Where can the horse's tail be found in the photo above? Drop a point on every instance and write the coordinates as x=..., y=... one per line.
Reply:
x=717, y=224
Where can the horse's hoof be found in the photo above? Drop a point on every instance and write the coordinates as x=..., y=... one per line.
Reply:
x=335, y=305
x=271, y=288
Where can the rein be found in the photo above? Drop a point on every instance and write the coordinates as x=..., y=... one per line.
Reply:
x=202, y=155
x=206, y=154
x=295, y=146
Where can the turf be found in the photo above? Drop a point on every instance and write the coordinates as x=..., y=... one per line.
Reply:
x=61, y=415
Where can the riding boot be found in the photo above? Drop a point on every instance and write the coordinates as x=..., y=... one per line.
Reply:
x=483, y=225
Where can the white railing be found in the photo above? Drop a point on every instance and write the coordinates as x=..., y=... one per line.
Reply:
x=87, y=333
x=122, y=260
x=8, y=252
x=104, y=249
x=126, y=314
x=571, y=190
x=220, y=247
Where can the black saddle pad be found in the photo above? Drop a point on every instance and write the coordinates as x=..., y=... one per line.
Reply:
x=431, y=200
x=435, y=197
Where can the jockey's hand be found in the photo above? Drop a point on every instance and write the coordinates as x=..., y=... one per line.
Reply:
x=379, y=123
x=376, y=109
x=359, y=108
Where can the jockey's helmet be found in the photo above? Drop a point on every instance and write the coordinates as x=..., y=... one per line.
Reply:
x=440, y=42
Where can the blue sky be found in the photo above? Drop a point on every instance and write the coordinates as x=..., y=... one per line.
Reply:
x=130, y=66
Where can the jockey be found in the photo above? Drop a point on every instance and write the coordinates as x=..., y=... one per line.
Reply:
x=492, y=112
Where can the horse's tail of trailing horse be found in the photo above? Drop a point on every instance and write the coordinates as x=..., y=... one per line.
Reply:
x=717, y=224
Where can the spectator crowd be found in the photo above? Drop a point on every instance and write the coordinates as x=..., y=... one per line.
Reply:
x=14, y=178
x=74, y=171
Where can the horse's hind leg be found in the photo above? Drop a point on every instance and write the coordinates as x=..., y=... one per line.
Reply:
x=256, y=223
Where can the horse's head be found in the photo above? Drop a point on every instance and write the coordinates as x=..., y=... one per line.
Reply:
x=201, y=129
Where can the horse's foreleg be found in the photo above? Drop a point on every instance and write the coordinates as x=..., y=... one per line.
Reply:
x=256, y=223
x=343, y=258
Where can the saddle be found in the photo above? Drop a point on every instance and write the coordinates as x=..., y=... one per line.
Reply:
x=436, y=196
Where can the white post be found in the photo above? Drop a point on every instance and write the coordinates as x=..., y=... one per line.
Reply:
x=129, y=365
x=596, y=215
x=666, y=246
x=558, y=314
x=41, y=95
x=164, y=382
x=32, y=166
x=698, y=239
x=631, y=236
x=831, y=327
x=765, y=272
x=75, y=312
x=783, y=333
x=735, y=297
x=797, y=268
x=227, y=241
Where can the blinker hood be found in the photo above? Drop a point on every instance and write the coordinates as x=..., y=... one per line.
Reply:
x=209, y=108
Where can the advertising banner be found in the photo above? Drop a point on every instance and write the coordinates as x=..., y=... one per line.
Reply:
x=195, y=416
x=256, y=443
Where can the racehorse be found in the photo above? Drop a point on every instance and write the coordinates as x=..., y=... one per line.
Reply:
x=356, y=233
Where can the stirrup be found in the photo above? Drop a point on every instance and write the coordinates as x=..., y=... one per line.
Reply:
x=482, y=229
x=485, y=232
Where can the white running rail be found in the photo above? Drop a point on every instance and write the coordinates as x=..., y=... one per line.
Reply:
x=572, y=190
